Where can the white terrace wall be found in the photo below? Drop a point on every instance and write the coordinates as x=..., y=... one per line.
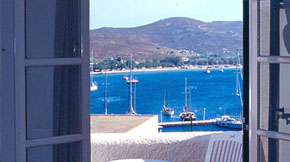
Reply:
x=177, y=147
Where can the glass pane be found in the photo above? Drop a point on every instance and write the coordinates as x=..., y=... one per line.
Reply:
x=52, y=29
x=53, y=97
x=70, y=152
x=273, y=150
x=284, y=29
x=274, y=94
x=264, y=27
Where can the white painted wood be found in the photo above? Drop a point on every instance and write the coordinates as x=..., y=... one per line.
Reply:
x=274, y=59
x=19, y=82
x=274, y=135
x=253, y=26
x=224, y=147
x=13, y=117
x=139, y=160
x=54, y=140
x=255, y=61
x=85, y=53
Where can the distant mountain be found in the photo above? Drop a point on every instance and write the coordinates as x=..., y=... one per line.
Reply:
x=163, y=37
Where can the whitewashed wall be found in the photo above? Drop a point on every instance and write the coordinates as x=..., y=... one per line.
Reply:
x=148, y=127
x=177, y=147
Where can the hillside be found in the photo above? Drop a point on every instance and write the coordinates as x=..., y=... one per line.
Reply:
x=160, y=38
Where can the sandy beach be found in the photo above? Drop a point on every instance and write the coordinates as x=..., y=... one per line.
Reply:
x=200, y=67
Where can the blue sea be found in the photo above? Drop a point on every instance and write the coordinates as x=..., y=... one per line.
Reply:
x=214, y=91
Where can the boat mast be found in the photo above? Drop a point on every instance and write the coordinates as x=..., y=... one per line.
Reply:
x=165, y=93
x=185, y=94
x=106, y=92
x=135, y=96
x=91, y=65
x=207, y=60
x=189, y=99
x=132, y=112
x=237, y=77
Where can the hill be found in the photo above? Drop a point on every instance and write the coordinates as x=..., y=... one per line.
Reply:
x=168, y=36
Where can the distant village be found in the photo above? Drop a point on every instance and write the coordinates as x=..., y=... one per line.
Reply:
x=189, y=59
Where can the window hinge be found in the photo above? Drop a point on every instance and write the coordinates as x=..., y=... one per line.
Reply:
x=245, y=127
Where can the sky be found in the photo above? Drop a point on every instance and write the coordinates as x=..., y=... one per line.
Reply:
x=133, y=13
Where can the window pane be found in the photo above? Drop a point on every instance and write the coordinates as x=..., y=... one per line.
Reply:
x=274, y=94
x=273, y=150
x=70, y=152
x=264, y=27
x=52, y=29
x=53, y=97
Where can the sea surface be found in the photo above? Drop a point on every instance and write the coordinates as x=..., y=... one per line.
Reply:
x=216, y=92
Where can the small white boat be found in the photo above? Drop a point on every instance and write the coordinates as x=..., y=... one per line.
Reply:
x=125, y=78
x=187, y=116
x=207, y=71
x=94, y=86
x=229, y=122
x=132, y=81
x=222, y=70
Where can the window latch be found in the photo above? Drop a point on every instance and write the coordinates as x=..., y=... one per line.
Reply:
x=283, y=115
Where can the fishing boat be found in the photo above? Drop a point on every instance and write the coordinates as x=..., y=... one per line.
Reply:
x=132, y=82
x=166, y=110
x=186, y=115
x=93, y=85
x=229, y=122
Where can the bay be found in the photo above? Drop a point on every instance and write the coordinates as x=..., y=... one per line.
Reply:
x=214, y=91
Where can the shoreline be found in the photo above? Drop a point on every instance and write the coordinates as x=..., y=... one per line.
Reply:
x=200, y=67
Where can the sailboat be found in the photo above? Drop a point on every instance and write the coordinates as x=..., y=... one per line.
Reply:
x=106, y=93
x=132, y=81
x=94, y=85
x=166, y=110
x=238, y=87
x=226, y=120
x=207, y=71
x=186, y=115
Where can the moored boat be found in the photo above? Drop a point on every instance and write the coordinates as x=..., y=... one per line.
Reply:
x=166, y=110
x=94, y=86
x=186, y=115
x=229, y=122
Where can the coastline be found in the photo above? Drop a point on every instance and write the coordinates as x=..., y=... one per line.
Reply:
x=200, y=67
